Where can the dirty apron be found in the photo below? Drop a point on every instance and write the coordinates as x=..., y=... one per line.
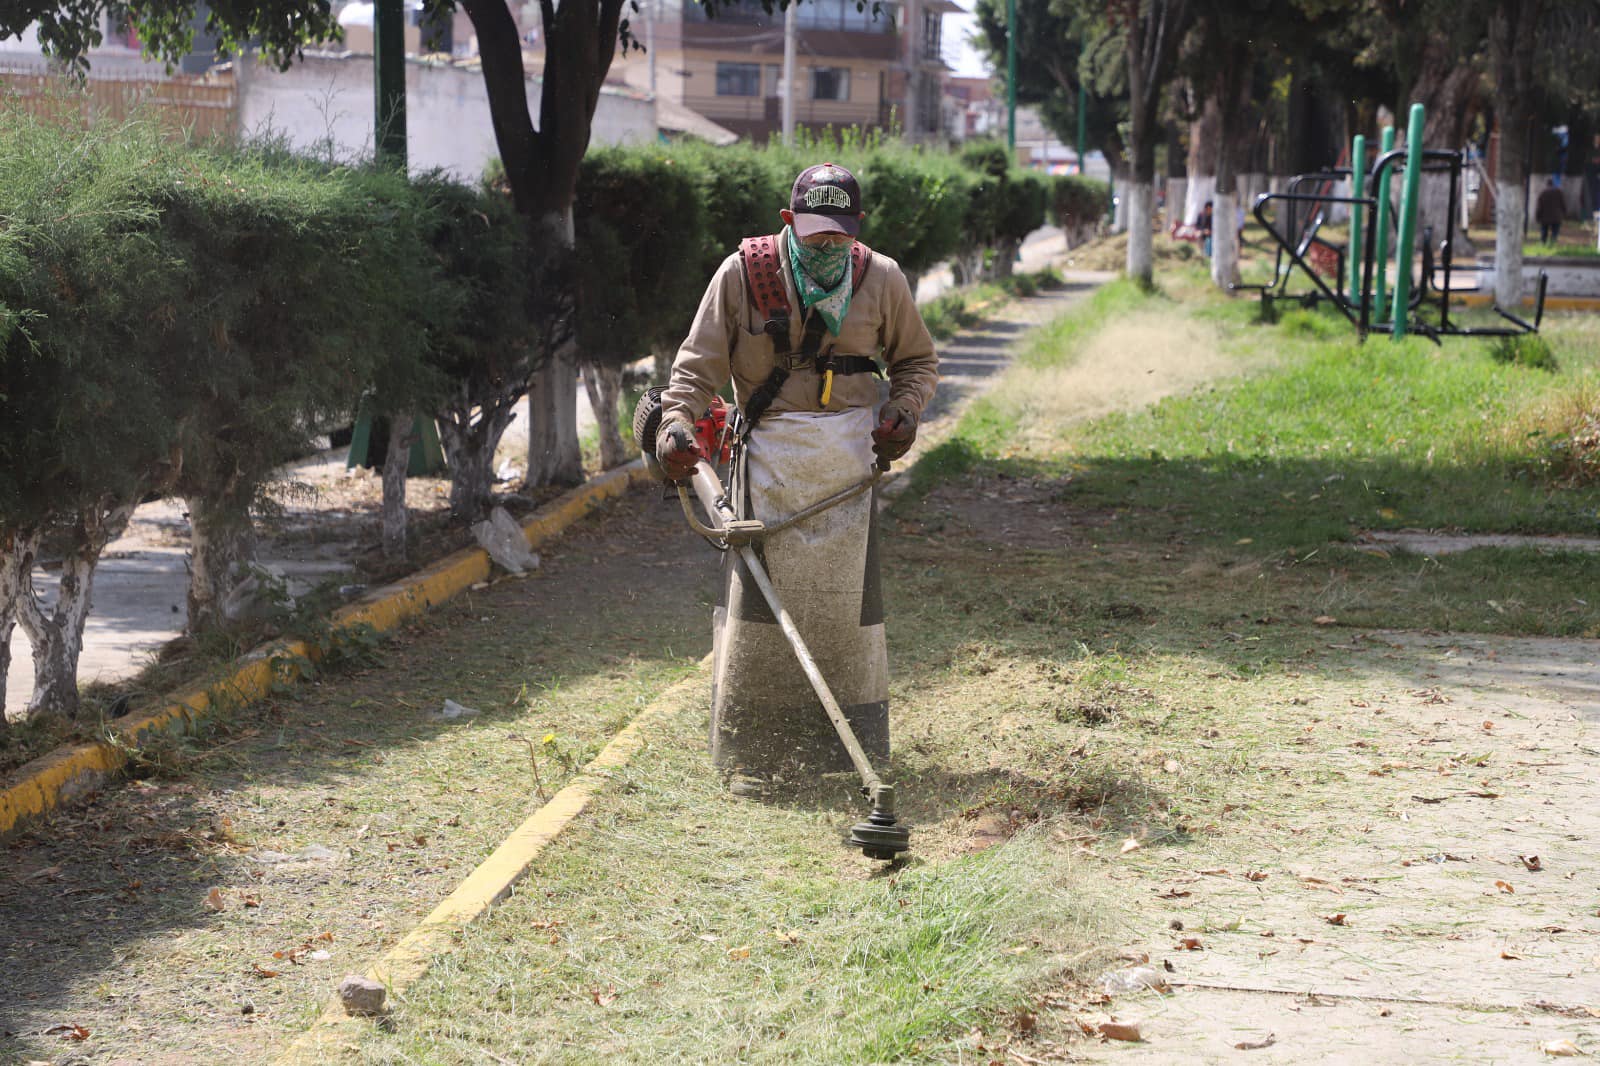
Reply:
x=765, y=718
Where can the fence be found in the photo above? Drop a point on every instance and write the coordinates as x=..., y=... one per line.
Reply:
x=201, y=107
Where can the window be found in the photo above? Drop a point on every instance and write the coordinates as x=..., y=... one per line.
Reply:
x=738, y=79
x=932, y=32
x=774, y=83
x=830, y=83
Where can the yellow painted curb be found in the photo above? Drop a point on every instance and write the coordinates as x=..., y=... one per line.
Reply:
x=71, y=772
x=334, y=1031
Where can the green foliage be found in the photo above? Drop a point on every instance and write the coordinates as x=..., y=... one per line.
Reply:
x=640, y=226
x=1529, y=349
x=1077, y=201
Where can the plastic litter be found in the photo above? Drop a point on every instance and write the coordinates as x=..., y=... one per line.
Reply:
x=1133, y=979
x=453, y=710
x=502, y=538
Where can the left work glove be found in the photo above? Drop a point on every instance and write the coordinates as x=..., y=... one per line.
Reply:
x=893, y=435
x=676, y=450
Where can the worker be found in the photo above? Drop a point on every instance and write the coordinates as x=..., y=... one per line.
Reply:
x=798, y=321
x=1550, y=210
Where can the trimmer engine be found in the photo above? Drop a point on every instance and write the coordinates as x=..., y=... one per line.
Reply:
x=710, y=430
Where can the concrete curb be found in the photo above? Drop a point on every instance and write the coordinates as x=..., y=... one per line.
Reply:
x=399, y=968
x=70, y=773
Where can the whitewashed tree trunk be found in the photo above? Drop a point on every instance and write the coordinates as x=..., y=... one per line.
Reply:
x=56, y=633
x=1140, y=265
x=1119, y=210
x=553, y=454
x=396, y=463
x=604, y=386
x=1201, y=187
x=222, y=554
x=1225, y=241
x=1507, y=245
x=16, y=560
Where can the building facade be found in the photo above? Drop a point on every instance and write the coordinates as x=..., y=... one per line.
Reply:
x=879, y=66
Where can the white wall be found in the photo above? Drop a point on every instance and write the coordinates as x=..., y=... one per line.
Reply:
x=323, y=104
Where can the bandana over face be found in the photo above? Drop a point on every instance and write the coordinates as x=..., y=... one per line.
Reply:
x=822, y=278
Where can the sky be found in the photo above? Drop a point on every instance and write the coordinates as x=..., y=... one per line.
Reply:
x=957, y=52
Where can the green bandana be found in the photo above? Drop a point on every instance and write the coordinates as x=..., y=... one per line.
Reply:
x=822, y=278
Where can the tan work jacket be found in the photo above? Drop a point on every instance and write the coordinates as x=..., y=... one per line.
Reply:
x=727, y=340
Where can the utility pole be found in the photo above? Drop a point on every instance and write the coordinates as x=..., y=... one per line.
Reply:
x=1011, y=75
x=650, y=41
x=789, y=27
x=389, y=76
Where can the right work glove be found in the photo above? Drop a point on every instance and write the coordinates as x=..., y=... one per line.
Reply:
x=893, y=435
x=676, y=450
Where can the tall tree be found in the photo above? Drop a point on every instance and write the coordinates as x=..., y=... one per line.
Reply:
x=1513, y=36
x=1059, y=46
x=1152, y=31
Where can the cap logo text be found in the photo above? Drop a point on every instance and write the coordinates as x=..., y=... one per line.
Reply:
x=826, y=196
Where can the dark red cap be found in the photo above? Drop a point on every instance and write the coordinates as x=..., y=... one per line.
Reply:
x=826, y=199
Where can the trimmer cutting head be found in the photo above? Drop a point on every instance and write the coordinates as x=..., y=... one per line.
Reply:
x=881, y=836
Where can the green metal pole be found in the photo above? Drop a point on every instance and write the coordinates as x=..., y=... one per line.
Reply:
x=389, y=74
x=1358, y=182
x=1083, y=122
x=1380, y=284
x=1405, y=243
x=1011, y=74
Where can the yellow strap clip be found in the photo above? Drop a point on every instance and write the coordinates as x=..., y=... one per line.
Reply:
x=827, y=386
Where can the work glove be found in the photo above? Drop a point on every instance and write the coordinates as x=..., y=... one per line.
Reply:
x=894, y=433
x=676, y=450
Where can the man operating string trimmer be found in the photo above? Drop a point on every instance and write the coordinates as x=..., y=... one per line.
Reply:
x=797, y=320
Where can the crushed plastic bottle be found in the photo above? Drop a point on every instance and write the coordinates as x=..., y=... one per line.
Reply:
x=1133, y=979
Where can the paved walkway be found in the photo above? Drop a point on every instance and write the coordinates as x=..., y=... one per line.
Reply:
x=141, y=583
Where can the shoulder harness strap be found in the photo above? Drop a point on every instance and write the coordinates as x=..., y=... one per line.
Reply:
x=759, y=257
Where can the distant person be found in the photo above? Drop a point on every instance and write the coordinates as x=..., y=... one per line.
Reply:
x=1203, y=226
x=1563, y=140
x=1550, y=211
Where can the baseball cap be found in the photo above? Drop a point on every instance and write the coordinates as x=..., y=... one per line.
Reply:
x=826, y=199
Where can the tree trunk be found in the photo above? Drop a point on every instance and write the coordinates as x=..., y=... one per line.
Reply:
x=222, y=553
x=604, y=386
x=396, y=462
x=1205, y=147
x=1140, y=265
x=470, y=436
x=1513, y=29
x=1153, y=30
x=16, y=562
x=1005, y=257
x=553, y=454
x=1508, y=244
x=56, y=633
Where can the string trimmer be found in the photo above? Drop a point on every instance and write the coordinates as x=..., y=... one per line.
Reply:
x=880, y=836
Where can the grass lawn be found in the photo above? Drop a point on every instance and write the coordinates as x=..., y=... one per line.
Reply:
x=1099, y=622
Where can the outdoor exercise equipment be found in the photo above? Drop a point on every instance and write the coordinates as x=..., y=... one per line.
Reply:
x=1359, y=269
x=880, y=836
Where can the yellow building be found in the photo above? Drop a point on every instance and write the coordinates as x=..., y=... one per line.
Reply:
x=853, y=68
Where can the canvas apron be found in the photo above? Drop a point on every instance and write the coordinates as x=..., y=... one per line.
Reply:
x=765, y=717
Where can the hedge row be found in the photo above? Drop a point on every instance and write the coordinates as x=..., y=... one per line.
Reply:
x=654, y=222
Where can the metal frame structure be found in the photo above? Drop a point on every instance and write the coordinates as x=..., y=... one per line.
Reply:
x=1365, y=309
